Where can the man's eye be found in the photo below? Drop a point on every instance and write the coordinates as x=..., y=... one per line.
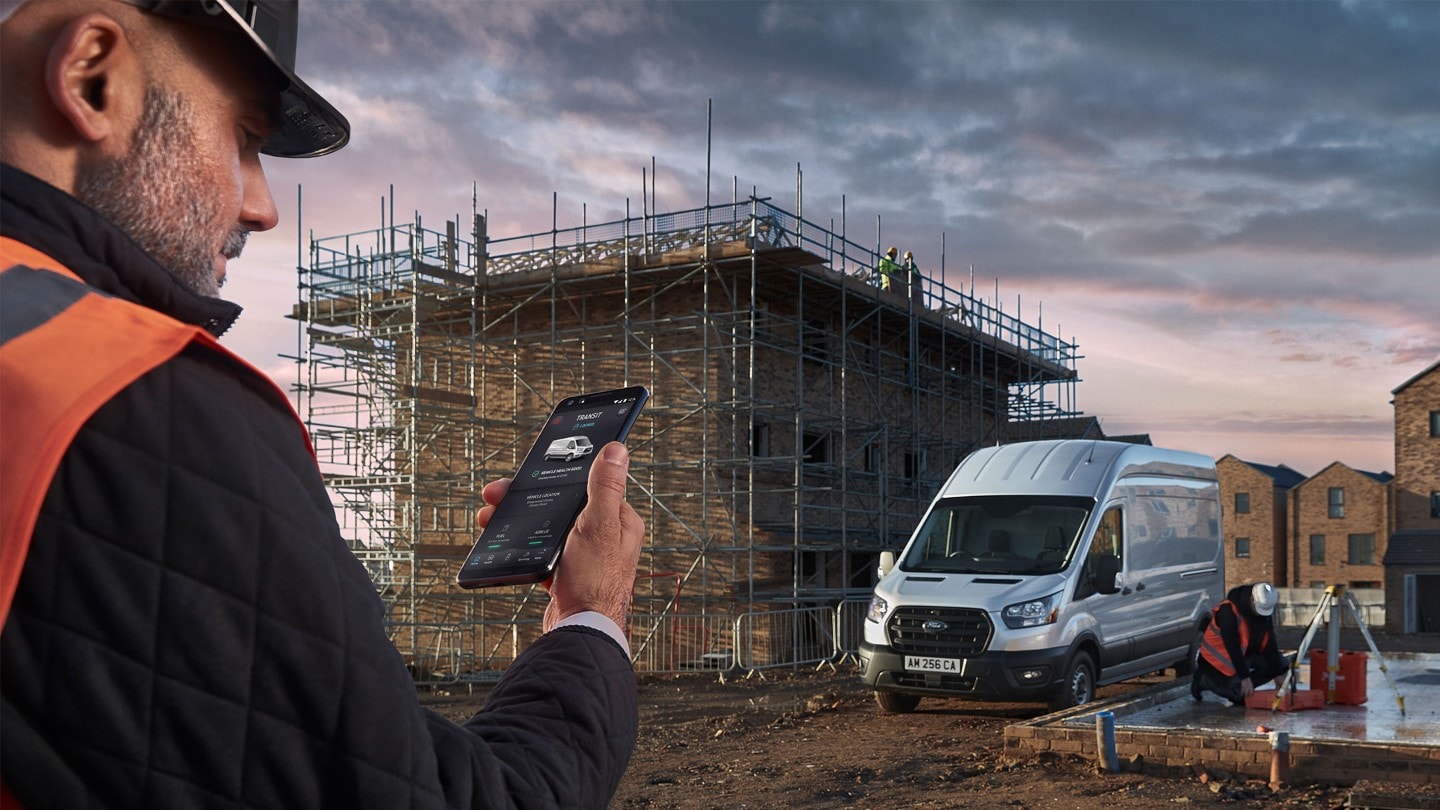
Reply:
x=250, y=138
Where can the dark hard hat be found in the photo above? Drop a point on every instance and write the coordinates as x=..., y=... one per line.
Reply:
x=308, y=125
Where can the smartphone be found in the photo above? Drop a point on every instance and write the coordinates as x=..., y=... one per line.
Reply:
x=523, y=541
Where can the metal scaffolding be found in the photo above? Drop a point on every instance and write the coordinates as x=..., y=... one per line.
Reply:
x=801, y=416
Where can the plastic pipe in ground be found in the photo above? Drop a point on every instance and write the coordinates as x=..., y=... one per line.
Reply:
x=1105, y=742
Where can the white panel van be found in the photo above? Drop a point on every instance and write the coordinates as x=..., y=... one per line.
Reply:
x=1044, y=569
x=569, y=448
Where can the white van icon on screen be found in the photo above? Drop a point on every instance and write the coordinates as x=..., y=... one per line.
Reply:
x=569, y=448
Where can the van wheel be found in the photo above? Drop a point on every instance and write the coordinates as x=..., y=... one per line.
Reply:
x=1079, y=685
x=897, y=702
x=1186, y=667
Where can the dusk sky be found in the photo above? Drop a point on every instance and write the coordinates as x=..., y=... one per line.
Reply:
x=1233, y=208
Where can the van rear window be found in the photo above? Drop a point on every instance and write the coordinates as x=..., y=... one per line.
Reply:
x=999, y=534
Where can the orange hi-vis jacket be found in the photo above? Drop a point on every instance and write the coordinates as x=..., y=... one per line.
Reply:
x=65, y=350
x=1212, y=644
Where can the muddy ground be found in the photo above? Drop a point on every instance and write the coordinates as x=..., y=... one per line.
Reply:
x=808, y=738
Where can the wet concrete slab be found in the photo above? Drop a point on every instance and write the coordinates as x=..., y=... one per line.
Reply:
x=1415, y=677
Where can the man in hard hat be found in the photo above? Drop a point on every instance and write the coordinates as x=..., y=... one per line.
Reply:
x=889, y=268
x=1239, y=651
x=911, y=271
x=184, y=625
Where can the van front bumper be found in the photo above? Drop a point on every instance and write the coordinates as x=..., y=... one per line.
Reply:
x=1030, y=675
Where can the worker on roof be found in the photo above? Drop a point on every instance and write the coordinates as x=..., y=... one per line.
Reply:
x=911, y=272
x=889, y=269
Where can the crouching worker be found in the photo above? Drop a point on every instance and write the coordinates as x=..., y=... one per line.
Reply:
x=1239, y=651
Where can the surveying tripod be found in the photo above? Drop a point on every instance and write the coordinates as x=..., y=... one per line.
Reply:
x=1335, y=597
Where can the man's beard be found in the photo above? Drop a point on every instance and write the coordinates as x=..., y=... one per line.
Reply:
x=155, y=194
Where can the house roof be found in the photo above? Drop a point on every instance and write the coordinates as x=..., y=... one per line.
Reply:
x=1378, y=477
x=1283, y=476
x=1413, y=547
x=1429, y=370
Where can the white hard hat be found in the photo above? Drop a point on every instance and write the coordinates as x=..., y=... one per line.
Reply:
x=1263, y=598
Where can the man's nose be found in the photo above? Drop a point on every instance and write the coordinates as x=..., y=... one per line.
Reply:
x=257, y=208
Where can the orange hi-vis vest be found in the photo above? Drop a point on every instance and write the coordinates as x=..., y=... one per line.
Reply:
x=1212, y=646
x=65, y=350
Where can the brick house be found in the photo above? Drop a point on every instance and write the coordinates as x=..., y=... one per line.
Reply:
x=1256, y=497
x=1340, y=521
x=1412, y=556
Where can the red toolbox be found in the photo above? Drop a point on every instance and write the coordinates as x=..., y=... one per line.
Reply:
x=1298, y=700
x=1349, y=680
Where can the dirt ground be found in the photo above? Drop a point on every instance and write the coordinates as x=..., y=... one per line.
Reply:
x=808, y=738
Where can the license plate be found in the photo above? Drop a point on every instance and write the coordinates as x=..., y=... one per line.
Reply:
x=918, y=663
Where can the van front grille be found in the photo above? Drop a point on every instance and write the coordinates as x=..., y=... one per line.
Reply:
x=940, y=632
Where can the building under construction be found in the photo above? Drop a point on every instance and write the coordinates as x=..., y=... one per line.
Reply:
x=801, y=417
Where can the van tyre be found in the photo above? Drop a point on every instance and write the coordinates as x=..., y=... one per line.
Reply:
x=1079, y=685
x=897, y=702
x=1186, y=667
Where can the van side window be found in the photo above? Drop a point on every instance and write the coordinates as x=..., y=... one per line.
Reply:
x=1108, y=541
x=1109, y=533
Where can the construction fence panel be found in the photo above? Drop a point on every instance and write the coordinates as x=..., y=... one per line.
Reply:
x=850, y=627
x=780, y=638
x=669, y=642
x=1298, y=605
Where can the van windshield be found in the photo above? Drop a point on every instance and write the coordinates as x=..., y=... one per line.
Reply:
x=999, y=534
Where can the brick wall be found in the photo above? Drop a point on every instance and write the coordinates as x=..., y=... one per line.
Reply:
x=1417, y=453
x=1366, y=512
x=1264, y=524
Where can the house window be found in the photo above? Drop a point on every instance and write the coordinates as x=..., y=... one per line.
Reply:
x=1435, y=504
x=817, y=448
x=1242, y=503
x=1435, y=424
x=1362, y=549
x=1317, y=549
x=1337, y=502
x=1242, y=547
x=760, y=440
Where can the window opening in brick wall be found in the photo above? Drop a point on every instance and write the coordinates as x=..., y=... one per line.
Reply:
x=913, y=462
x=1435, y=424
x=1317, y=549
x=760, y=440
x=872, y=457
x=1242, y=503
x=1435, y=504
x=1242, y=547
x=817, y=448
x=1337, y=502
x=1362, y=549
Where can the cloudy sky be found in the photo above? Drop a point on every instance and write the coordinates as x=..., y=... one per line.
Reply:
x=1233, y=209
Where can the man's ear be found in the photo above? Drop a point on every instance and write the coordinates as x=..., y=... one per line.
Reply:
x=93, y=75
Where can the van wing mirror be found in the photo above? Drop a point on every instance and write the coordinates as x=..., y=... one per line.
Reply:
x=1107, y=572
x=887, y=562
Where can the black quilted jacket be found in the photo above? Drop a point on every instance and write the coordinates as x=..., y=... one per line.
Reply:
x=190, y=630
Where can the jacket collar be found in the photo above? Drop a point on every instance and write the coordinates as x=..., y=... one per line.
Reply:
x=47, y=219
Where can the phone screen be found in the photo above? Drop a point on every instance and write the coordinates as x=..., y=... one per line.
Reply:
x=523, y=540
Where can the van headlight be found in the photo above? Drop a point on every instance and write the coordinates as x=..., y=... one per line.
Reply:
x=877, y=610
x=1033, y=613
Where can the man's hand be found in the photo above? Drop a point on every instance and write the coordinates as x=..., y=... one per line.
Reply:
x=1246, y=687
x=597, y=567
